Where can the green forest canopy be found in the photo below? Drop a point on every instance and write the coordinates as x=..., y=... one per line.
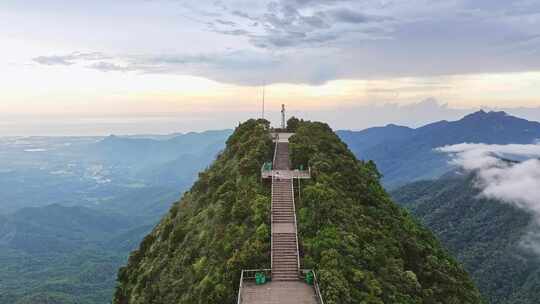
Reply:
x=365, y=248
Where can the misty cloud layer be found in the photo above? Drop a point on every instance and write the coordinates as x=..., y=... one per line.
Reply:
x=508, y=173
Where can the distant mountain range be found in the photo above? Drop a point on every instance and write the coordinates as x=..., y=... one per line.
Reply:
x=100, y=172
x=71, y=209
x=485, y=235
x=118, y=187
x=404, y=154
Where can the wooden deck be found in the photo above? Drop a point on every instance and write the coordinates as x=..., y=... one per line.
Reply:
x=293, y=292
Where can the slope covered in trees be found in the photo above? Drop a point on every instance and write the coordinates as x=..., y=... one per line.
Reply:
x=365, y=248
x=195, y=254
x=485, y=235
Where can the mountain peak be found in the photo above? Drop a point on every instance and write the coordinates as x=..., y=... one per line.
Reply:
x=485, y=115
x=220, y=227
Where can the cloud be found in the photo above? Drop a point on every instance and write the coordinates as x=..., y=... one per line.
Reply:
x=110, y=67
x=352, y=16
x=290, y=24
x=463, y=37
x=225, y=22
x=69, y=59
x=52, y=60
x=508, y=173
x=325, y=40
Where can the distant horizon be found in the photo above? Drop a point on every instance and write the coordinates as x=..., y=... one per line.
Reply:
x=78, y=64
x=412, y=116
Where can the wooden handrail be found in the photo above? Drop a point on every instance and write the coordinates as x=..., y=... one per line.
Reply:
x=303, y=272
x=295, y=226
x=245, y=275
x=271, y=224
x=317, y=289
x=240, y=288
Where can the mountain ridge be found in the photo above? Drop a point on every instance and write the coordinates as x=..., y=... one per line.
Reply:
x=364, y=247
x=410, y=157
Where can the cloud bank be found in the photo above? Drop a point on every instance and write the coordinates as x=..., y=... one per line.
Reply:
x=508, y=173
x=316, y=41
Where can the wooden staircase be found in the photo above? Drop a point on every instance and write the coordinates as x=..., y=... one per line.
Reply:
x=286, y=285
x=281, y=156
x=284, y=241
x=285, y=263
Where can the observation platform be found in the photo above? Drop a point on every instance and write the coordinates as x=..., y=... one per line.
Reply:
x=292, y=292
x=286, y=174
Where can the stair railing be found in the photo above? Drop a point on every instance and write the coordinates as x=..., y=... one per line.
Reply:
x=303, y=273
x=271, y=205
x=295, y=226
x=240, y=288
x=317, y=289
x=272, y=224
x=275, y=150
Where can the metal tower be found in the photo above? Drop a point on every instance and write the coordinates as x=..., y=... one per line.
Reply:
x=283, y=116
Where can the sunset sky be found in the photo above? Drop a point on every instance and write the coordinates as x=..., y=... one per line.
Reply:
x=194, y=65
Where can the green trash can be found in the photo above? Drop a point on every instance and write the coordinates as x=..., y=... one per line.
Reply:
x=309, y=278
x=301, y=167
x=260, y=278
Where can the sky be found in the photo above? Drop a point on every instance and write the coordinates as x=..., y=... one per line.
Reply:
x=162, y=66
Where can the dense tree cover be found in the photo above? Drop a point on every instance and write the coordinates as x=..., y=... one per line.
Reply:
x=487, y=236
x=195, y=254
x=58, y=254
x=366, y=249
x=82, y=277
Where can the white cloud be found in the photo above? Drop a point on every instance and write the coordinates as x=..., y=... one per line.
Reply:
x=508, y=173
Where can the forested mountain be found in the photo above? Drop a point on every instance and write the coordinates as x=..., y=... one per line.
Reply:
x=485, y=235
x=360, y=141
x=58, y=254
x=220, y=226
x=404, y=155
x=365, y=248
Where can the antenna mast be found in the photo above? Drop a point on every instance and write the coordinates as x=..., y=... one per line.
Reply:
x=264, y=87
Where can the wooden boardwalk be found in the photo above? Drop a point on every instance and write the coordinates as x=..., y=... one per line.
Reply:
x=286, y=286
x=279, y=293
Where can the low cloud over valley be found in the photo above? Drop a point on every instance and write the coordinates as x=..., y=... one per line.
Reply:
x=508, y=173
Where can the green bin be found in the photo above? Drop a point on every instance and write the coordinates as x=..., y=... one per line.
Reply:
x=309, y=278
x=260, y=278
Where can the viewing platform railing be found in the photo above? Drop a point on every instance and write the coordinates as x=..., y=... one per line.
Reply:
x=303, y=274
x=250, y=275
x=267, y=172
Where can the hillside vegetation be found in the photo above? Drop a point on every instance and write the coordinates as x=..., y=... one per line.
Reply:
x=485, y=235
x=196, y=253
x=365, y=248
x=61, y=255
